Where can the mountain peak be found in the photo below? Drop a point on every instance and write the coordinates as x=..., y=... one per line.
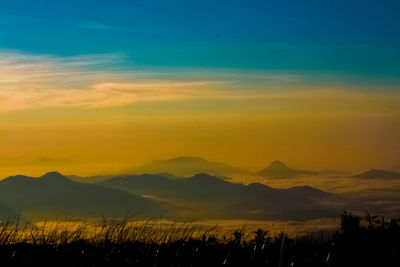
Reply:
x=203, y=176
x=53, y=176
x=278, y=164
x=278, y=169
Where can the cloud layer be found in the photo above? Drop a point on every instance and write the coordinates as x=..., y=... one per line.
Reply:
x=31, y=81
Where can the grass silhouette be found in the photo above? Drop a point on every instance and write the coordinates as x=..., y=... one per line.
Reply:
x=368, y=241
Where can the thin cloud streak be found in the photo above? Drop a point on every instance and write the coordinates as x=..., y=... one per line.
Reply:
x=32, y=81
x=29, y=81
x=94, y=25
x=12, y=20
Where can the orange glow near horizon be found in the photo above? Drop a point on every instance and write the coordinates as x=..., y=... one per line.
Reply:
x=348, y=131
x=56, y=114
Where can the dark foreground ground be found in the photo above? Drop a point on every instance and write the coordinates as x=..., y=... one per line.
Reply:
x=369, y=241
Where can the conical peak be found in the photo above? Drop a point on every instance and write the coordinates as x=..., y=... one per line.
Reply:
x=53, y=176
x=277, y=163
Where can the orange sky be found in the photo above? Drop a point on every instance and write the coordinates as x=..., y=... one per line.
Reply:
x=92, y=121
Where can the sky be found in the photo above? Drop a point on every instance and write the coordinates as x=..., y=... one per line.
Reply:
x=91, y=87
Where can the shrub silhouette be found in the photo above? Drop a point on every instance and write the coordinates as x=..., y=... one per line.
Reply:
x=350, y=223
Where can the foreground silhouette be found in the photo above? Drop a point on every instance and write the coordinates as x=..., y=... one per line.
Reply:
x=369, y=241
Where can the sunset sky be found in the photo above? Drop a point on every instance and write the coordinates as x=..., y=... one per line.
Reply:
x=93, y=87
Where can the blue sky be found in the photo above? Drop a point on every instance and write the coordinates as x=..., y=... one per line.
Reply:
x=356, y=39
x=265, y=80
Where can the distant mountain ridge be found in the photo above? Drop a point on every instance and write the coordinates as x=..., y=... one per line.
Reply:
x=278, y=169
x=54, y=195
x=208, y=196
x=378, y=174
x=185, y=166
x=199, y=196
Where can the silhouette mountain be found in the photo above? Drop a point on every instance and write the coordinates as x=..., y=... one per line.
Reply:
x=185, y=166
x=378, y=174
x=54, y=195
x=208, y=196
x=54, y=177
x=278, y=169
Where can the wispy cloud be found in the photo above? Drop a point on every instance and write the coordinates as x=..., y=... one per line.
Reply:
x=32, y=81
x=8, y=20
x=94, y=25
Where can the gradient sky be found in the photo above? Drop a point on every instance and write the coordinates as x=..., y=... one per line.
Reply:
x=94, y=86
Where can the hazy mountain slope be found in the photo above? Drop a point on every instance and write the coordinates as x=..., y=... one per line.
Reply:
x=99, y=178
x=89, y=179
x=54, y=195
x=6, y=212
x=278, y=169
x=216, y=198
x=378, y=174
x=185, y=166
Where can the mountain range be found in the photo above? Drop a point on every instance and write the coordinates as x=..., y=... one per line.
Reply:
x=54, y=195
x=185, y=166
x=208, y=196
x=179, y=188
x=200, y=196
x=181, y=167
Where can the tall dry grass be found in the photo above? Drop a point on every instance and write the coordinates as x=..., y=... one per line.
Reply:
x=116, y=231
